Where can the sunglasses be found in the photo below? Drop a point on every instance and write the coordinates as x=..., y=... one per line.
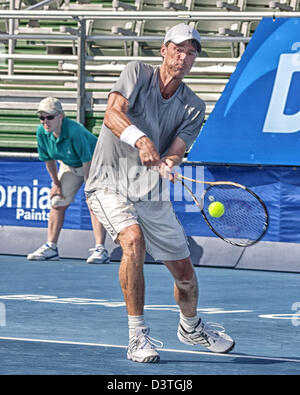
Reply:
x=47, y=117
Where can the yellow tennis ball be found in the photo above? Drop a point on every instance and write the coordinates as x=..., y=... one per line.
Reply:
x=216, y=209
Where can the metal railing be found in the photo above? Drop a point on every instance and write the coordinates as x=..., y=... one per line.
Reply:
x=81, y=38
x=148, y=15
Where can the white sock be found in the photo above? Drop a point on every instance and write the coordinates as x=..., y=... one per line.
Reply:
x=52, y=245
x=188, y=323
x=99, y=245
x=133, y=322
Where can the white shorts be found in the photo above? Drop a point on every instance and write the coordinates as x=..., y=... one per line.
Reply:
x=164, y=235
x=71, y=179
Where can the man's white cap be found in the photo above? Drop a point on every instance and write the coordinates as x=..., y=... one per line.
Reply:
x=179, y=33
x=50, y=105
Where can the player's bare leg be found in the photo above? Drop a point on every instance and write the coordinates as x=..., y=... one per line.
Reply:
x=185, y=286
x=192, y=330
x=131, y=274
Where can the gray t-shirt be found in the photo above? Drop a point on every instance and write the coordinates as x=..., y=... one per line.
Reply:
x=115, y=164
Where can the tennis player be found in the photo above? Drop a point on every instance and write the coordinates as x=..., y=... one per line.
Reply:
x=68, y=142
x=152, y=118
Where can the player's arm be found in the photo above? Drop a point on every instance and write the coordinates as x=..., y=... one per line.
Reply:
x=117, y=121
x=173, y=157
x=175, y=153
x=52, y=170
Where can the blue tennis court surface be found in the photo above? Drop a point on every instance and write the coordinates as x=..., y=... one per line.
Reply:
x=68, y=317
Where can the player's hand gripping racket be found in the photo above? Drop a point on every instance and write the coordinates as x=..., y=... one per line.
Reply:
x=240, y=219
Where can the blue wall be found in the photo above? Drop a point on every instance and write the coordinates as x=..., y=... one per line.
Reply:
x=257, y=118
x=25, y=187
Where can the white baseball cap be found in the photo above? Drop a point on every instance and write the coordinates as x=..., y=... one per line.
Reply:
x=50, y=105
x=179, y=33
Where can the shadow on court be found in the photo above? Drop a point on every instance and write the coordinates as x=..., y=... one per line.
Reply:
x=68, y=317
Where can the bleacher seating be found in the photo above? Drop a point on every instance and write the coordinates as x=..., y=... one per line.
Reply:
x=268, y=5
x=223, y=28
x=43, y=67
x=111, y=27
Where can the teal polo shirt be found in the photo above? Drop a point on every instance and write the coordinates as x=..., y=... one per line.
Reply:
x=74, y=146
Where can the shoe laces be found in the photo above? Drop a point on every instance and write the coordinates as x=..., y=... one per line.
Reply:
x=211, y=329
x=144, y=341
x=45, y=247
x=97, y=249
x=206, y=331
x=211, y=325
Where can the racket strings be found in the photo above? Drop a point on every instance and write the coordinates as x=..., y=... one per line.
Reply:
x=244, y=219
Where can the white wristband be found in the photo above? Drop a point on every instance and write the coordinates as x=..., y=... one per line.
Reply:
x=131, y=134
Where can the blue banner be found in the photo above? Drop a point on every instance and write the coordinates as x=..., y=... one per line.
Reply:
x=24, y=197
x=257, y=118
x=25, y=190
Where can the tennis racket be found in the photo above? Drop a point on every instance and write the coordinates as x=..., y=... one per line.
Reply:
x=245, y=219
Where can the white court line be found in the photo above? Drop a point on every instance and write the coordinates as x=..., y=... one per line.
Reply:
x=229, y=355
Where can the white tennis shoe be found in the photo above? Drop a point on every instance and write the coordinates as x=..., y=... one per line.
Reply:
x=141, y=347
x=44, y=253
x=205, y=335
x=98, y=255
